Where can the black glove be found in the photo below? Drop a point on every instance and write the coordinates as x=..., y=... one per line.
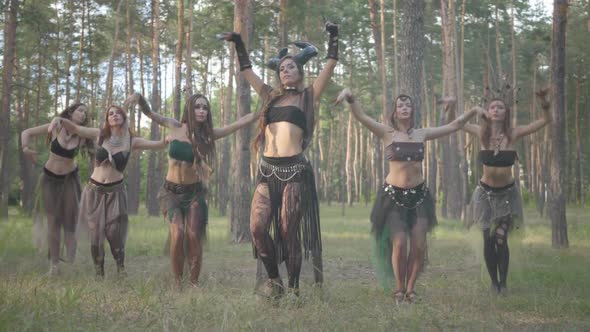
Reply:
x=332, y=29
x=243, y=58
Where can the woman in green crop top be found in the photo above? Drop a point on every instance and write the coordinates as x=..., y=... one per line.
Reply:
x=182, y=196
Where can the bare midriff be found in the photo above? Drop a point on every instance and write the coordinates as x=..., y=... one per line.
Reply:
x=405, y=174
x=497, y=176
x=283, y=139
x=106, y=174
x=181, y=172
x=60, y=165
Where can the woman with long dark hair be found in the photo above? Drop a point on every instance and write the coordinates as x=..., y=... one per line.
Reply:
x=103, y=205
x=404, y=207
x=59, y=184
x=191, y=159
x=496, y=205
x=285, y=199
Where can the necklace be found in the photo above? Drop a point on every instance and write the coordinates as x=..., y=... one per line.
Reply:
x=115, y=141
x=497, y=142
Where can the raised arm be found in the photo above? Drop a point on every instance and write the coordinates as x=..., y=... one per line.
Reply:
x=140, y=143
x=244, y=60
x=375, y=127
x=85, y=132
x=145, y=108
x=521, y=131
x=326, y=74
x=472, y=129
x=25, y=137
x=232, y=127
x=458, y=123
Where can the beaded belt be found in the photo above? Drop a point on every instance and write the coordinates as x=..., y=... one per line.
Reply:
x=392, y=191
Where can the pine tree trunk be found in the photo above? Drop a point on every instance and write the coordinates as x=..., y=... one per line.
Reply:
x=558, y=187
x=379, y=50
x=154, y=177
x=189, y=51
x=224, y=165
x=178, y=59
x=56, y=62
x=26, y=167
x=453, y=180
x=579, y=192
x=80, y=55
x=283, y=35
x=9, y=56
x=108, y=99
x=395, y=52
x=240, y=209
x=68, y=47
x=133, y=169
x=499, y=72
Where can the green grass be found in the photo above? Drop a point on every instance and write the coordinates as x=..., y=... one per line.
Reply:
x=548, y=288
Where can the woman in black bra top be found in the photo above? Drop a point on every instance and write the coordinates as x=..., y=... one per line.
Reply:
x=103, y=206
x=59, y=194
x=404, y=207
x=496, y=205
x=285, y=200
x=183, y=195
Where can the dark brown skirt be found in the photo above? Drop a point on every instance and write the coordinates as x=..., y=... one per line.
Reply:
x=102, y=205
x=177, y=199
x=58, y=196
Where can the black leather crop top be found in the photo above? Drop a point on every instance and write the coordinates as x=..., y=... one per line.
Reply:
x=59, y=150
x=118, y=160
x=504, y=158
x=405, y=151
x=288, y=113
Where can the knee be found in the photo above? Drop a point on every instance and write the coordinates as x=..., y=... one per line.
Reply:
x=501, y=235
x=176, y=231
x=399, y=242
x=257, y=230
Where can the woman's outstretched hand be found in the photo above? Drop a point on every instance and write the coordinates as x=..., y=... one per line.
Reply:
x=347, y=95
x=543, y=95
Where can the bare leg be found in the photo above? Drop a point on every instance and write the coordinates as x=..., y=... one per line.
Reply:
x=398, y=260
x=71, y=245
x=417, y=249
x=177, y=247
x=194, y=228
x=53, y=241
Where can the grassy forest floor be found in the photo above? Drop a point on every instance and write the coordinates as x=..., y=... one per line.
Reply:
x=548, y=289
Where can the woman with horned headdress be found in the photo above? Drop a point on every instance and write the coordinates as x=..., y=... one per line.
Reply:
x=404, y=207
x=496, y=205
x=103, y=205
x=59, y=184
x=285, y=200
x=182, y=197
